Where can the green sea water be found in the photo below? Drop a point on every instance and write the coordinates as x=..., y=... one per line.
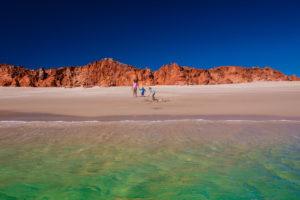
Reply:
x=150, y=160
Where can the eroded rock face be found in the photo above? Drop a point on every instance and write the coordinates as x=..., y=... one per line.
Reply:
x=174, y=74
x=108, y=72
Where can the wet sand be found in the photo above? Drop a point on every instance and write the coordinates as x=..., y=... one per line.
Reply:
x=261, y=100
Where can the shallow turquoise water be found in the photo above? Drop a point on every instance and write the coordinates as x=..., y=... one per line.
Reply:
x=150, y=160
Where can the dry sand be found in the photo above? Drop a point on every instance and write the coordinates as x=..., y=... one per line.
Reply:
x=280, y=100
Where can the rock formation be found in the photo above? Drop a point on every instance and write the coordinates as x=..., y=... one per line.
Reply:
x=108, y=72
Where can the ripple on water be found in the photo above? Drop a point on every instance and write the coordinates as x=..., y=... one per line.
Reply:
x=155, y=160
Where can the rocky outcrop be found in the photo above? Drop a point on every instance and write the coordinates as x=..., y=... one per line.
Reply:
x=173, y=74
x=108, y=72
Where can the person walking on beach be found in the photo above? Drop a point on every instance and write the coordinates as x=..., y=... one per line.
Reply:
x=152, y=92
x=135, y=87
x=142, y=91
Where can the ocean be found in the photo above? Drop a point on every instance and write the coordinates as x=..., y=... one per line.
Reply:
x=167, y=159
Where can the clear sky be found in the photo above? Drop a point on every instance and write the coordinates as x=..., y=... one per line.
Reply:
x=152, y=33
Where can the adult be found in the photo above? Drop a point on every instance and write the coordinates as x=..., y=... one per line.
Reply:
x=135, y=86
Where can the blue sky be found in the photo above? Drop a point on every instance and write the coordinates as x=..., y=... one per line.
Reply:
x=150, y=33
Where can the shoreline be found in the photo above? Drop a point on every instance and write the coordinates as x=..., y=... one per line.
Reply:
x=46, y=117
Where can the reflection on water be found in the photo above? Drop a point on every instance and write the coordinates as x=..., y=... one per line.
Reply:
x=150, y=160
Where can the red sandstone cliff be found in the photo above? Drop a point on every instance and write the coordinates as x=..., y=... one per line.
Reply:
x=108, y=72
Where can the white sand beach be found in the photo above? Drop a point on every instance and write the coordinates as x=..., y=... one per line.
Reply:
x=277, y=99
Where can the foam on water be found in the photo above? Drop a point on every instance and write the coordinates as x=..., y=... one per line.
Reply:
x=144, y=121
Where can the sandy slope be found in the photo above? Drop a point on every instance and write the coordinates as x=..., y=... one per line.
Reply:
x=259, y=99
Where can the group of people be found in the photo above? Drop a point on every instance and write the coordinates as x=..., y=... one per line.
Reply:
x=151, y=91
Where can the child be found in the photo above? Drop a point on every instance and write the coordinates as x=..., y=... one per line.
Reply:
x=142, y=91
x=152, y=93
